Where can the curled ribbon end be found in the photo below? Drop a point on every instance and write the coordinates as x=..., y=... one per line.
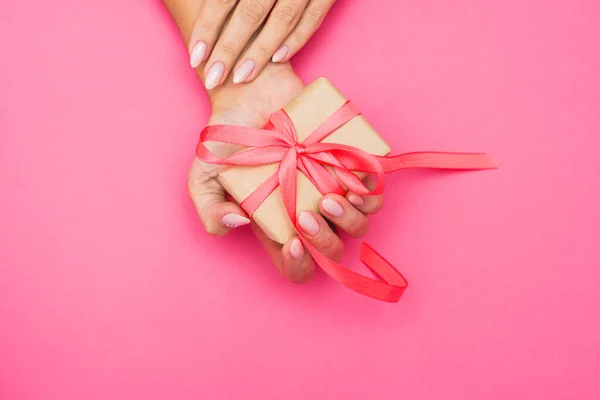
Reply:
x=493, y=164
x=384, y=268
x=483, y=161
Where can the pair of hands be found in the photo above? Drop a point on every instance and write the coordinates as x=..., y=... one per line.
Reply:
x=251, y=104
x=244, y=35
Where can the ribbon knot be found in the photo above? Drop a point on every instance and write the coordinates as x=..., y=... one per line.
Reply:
x=277, y=143
x=299, y=149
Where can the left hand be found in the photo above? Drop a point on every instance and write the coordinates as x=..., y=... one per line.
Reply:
x=224, y=29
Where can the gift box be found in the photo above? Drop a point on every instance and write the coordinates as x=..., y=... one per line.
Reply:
x=313, y=147
x=319, y=100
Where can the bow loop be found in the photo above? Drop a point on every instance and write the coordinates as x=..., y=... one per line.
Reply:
x=282, y=123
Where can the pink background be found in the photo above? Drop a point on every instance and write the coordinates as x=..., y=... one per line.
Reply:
x=109, y=289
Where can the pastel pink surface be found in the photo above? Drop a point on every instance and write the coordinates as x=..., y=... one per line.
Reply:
x=109, y=289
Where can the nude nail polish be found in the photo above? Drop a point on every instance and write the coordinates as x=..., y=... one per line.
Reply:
x=308, y=223
x=356, y=200
x=197, y=54
x=243, y=71
x=234, y=220
x=214, y=75
x=296, y=249
x=332, y=208
x=280, y=54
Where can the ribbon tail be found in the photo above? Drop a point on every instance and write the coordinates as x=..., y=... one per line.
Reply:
x=390, y=288
x=436, y=160
x=380, y=266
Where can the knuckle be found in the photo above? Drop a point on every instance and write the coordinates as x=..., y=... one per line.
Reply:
x=211, y=229
x=208, y=29
x=263, y=52
x=252, y=11
x=211, y=226
x=228, y=49
x=316, y=13
x=354, y=224
x=194, y=188
x=214, y=230
x=200, y=184
x=301, y=273
x=338, y=251
x=300, y=36
x=286, y=14
x=332, y=246
x=359, y=228
x=376, y=206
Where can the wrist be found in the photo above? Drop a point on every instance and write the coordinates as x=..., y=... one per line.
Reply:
x=251, y=104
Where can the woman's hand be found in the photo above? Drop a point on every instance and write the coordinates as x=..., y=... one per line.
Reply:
x=245, y=35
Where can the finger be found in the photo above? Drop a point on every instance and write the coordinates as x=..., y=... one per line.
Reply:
x=292, y=260
x=343, y=214
x=320, y=235
x=310, y=21
x=281, y=21
x=246, y=19
x=367, y=204
x=209, y=22
x=216, y=214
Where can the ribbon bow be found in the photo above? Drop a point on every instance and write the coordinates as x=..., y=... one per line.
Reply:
x=277, y=142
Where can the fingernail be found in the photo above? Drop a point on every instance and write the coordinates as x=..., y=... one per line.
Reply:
x=280, y=54
x=308, y=223
x=332, y=207
x=214, y=75
x=296, y=249
x=234, y=220
x=356, y=200
x=197, y=55
x=244, y=71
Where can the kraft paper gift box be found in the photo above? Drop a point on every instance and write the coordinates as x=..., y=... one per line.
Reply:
x=315, y=104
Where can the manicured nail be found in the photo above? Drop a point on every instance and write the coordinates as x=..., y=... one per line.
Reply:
x=308, y=223
x=244, y=71
x=332, y=207
x=197, y=54
x=356, y=200
x=214, y=75
x=296, y=249
x=234, y=220
x=280, y=54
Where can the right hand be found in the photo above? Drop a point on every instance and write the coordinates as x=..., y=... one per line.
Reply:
x=243, y=36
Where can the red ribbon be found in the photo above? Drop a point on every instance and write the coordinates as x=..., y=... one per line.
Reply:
x=277, y=143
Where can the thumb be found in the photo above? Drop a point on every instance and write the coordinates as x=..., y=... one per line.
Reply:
x=216, y=214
